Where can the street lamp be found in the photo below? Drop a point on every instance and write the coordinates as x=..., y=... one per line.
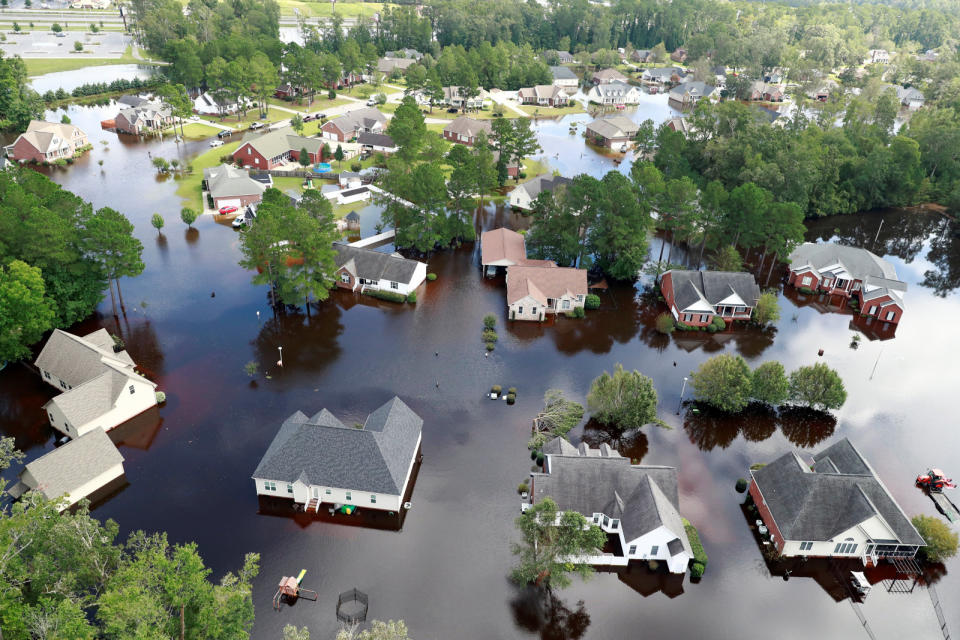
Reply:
x=280, y=363
x=682, y=389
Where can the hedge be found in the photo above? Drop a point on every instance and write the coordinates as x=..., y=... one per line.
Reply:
x=386, y=295
x=699, y=563
x=592, y=301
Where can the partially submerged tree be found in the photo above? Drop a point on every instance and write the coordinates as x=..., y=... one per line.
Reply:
x=769, y=384
x=552, y=544
x=188, y=215
x=723, y=382
x=27, y=313
x=623, y=400
x=156, y=221
x=556, y=419
x=941, y=540
x=818, y=387
x=767, y=309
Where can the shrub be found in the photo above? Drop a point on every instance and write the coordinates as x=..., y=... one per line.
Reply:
x=331, y=95
x=161, y=397
x=356, y=167
x=817, y=386
x=251, y=368
x=592, y=301
x=719, y=323
x=490, y=346
x=386, y=295
x=741, y=485
x=489, y=335
x=699, y=563
x=540, y=457
x=685, y=327
x=522, y=487
x=412, y=297
x=489, y=320
x=496, y=389
x=431, y=277
x=511, y=398
x=767, y=309
x=712, y=328
x=578, y=312
x=512, y=390
x=624, y=400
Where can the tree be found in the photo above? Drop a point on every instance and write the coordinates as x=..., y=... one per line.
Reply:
x=552, y=543
x=817, y=386
x=338, y=155
x=56, y=28
x=556, y=419
x=263, y=79
x=723, y=382
x=112, y=244
x=304, y=156
x=378, y=630
x=27, y=313
x=618, y=235
x=296, y=123
x=678, y=201
x=157, y=222
x=161, y=164
x=188, y=216
x=485, y=170
x=941, y=540
x=407, y=129
x=769, y=384
x=767, y=309
x=176, y=97
x=624, y=400
x=460, y=185
x=727, y=258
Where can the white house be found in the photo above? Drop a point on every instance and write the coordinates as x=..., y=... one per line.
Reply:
x=614, y=93
x=319, y=460
x=836, y=507
x=523, y=195
x=205, y=104
x=74, y=471
x=636, y=505
x=360, y=268
x=565, y=77
x=100, y=387
x=536, y=290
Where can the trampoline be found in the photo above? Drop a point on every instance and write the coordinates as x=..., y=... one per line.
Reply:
x=352, y=607
x=322, y=167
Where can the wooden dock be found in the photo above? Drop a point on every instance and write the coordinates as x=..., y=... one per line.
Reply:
x=945, y=505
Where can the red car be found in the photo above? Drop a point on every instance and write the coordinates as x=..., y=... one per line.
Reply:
x=227, y=210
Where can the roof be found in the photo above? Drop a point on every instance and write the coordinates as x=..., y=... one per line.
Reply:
x=468, y=127
x=353, y=216
x=376, y=140
x=541, y=183
x=542, y=282
x=49, y=136
x=613, y=89
x=695, y=89
x=614, y=127
x=563, y=73
x=502, y=245
x=132, y=101
x=322, y=451
x=75, y=360
x=714, y=287
x=840, y=491
x=145, y=110
x=609, y=75
x=226, y=181
x=544, y=91
x=279, y=142
x=664, y=72
x=365, y=118
x=592, y=481
x=387, y=65
x=371, y=264
x=407, y=53
x=857, y=262
x=67, y=468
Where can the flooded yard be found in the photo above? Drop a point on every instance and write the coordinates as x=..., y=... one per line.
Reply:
x=445, y=571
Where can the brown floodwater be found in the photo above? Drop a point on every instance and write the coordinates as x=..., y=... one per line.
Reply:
x=188, y=465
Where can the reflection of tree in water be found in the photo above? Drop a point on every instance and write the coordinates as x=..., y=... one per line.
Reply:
x=709, y=428
x=601, y=328
x=141, y=342
x=538, y=611
x=310, y=343
x=806, y=427
x=630, y=444
x=945, y=255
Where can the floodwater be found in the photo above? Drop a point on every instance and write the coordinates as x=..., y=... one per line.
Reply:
x=445, y=571
x=70, y=80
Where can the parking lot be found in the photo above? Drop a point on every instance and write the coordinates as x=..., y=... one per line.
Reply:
x=39, y=44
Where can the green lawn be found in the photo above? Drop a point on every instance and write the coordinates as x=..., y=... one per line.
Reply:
x=532, y=168
x=273, y=115
x=325, y=9
x=37, y=67
x=360, y=91
x=197, y=131
x=483, y=114
x=550, y=112
x=188, y=187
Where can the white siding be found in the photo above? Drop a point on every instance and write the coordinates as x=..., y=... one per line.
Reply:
x=337, y=495
x=127, y=406
x=658, y=538
x=519, y=198
x=86, y=488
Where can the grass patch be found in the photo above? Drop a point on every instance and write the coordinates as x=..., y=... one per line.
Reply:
x=483, y=114
x=253, y=115
x=197, y=131
x=40, y=66
x=188, y=186
x=550, y=112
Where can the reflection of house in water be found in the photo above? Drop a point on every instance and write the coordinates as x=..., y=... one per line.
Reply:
x=138, y=432
x=647, y=582
x=827, y=304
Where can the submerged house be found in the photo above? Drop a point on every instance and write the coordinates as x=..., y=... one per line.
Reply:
x=74, y=471
x=612, y=131
x=695, y=298
x=318, y=460
x=637, y=506
x=850, y=272
x=836, y=507
x=100, y=387
x=523, y=195
x=46, y=142
x=360, y=269
x=533, y=291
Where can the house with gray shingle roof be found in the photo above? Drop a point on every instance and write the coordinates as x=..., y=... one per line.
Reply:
x=269, y=150
x=230, y=186
x=690, y=93
x=695, y=298
x=524, y=194
x=637, y=506
x=835, y=507
x=854, y=272
x=319, y=460
x=614, y=93
x=612, y=131
x=353, y=123
x=565, y=77
x=74, y=471
x=465, y=130
x=100, y=387
x=362, y=268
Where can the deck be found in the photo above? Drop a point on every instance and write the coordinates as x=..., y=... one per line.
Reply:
x=945, y=505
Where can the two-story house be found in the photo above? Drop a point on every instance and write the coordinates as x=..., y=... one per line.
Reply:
x=695, y=298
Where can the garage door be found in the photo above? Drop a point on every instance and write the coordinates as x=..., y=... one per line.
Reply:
x=228, y=202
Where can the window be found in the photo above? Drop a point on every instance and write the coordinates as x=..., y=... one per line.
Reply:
x=845, y=547
x=349, y=496
x=345, y=278
x=596, y=518
x=132, y=389
x=615, y=524
x=249, y=151
x=289, y=488
x=891, y=314
x=606, y=521
x=373, y=499
x=654, y=549
x=327, y=492
x=806, y=546
x=394, y=285
x=704, y=318
x=520, y=310
x=566, y=304
x=633, y=550
x=580, y=297
x=269, y=486
x=873, y=310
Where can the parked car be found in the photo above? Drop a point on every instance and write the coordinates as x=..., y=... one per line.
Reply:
x=239, y=221
x=321, y=116
x=256, y=125
x=227, y=210
x=309, y=118
x=372, y=102
x=224, y=134
x=60, y=34
x=216, y=143
x=453, y=109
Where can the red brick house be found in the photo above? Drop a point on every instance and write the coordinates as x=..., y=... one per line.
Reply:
x=465, y=130
x=353, y=123
x=850, y=272
x=695, y=298
x=46, y=142
x=286, y=91
x=271, y=150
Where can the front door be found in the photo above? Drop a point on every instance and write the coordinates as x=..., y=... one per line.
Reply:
x=316, y=492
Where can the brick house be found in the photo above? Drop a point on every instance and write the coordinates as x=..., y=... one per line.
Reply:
x=535, y=291
x=850, y=272
x=143, y=117
x=465, y=130
x=276, y=148
x=836, y=507
x=695, y=298
x=766, y=92
x=353, y=123
x=46, y=142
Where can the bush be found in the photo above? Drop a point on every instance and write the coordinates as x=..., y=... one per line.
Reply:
x=356, y=167
x=431, y=277
x=512, y=390
x=161, y=397
x=490, y=346
x=489, y=335
x=699, y=563
x=540, y=458
x=592, y=301
x=522, y=487
x=685, y=327
x=511, y=398
x=665, y=323
x=624, y=400
x=331, y=95
x=719, y=323
x=741, y=485
x=412, y=297
x=496, y=389
x=767, y=309
x=386, y=295
x=489, y=320
x=817, y=386
x=578, y=312
x=941, y=541
x=251, y=368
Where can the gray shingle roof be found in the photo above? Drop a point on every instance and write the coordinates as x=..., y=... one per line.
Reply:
x=587, y=481
x=545, y=182
x=713, y=286
x=75, y=360
x=613, y=127
x=322, y=451
x=694, y=88
x=67, y=468
x=371, y=264
x=276, y=143
x=469, y=127
x=839, y=492
x=359, y=120
x=376, y=139
x=226, y=181
x=563, y=73
x=858, y=262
